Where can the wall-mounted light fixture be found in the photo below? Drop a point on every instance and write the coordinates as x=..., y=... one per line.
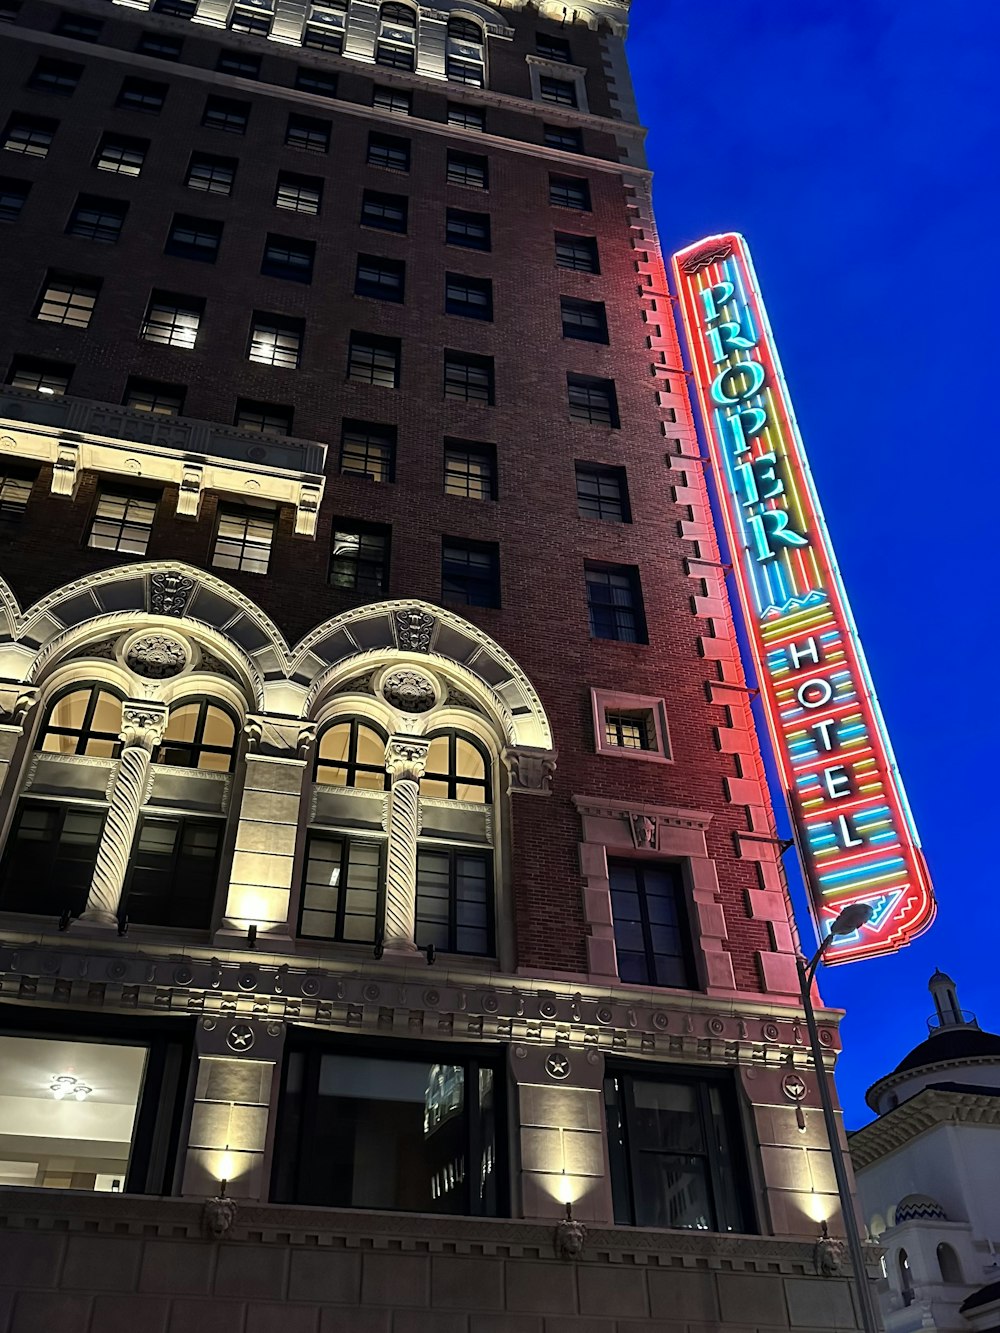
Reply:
x=570, y=1235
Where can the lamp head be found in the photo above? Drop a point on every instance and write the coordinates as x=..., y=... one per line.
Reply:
x=851, y=919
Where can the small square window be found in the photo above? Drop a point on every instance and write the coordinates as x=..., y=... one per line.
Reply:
x=289, y=258
x=211, y=174
x=252, y=21
x=121, y=155
x=470, y=230
x=154, y=397
x=553, y=48
x=68, y=300
x=308, y=133
x=223, y=113
x=470, y=470
x=468, y=169
x=194, y=238
x=381, y=278
x=13, y=197
x=30, y=135
x=578, y=253
x=593, y=400
x=309, y=80
x=614, y=602
x=388, y=151
x=368, y=451
x=32, y=372
x=299, y=194
x=471, y=297
x=15, y=492
x=585, y=320
x=276, y=340
x=79, y=27
x=385, y=211
x=373, y=360
x=97, y=219
x=360, y=557
x=396, y=100
x=558, y=91
x=319, y=38
x=243, y=540
x=239, y=63
x=469, y=377
x=602, y=493
x=55, y=76
x=123, y=521
x=172, y=321
x=470, y=572
x=264, y=418
x=142, y=95
x=466, y=117
x=161, y=45
x=564, y=139
x=569, y=192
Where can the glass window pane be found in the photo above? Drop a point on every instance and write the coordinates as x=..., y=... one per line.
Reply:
x=182, y=723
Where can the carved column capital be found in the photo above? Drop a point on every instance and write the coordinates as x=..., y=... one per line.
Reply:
x=16, y=701
x=143, y=722
x=406, y=758
x=531, y=770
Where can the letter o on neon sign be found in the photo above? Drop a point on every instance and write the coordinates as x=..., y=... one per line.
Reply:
x=814, y=693
x=727, y=380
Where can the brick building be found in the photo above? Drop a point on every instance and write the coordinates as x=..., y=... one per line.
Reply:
x=385, y=833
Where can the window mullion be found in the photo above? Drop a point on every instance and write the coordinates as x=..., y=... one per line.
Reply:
x=345, y=863
x=711, y=1157
x=627, y=1105
x=647, y=933
x=453, y=900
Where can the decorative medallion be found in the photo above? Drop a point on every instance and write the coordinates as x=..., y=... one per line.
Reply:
x=605, y=1014
x=183, y=976
x=414, y=629
x=716, y=1027
x=409, y=691
x=825, y=1037
x=793, y=1085
x=490, y=1003
x=770, y=1031
x=169, y=593
x=432, y=998
x=371, y=992
x=557, y=1066
x=117, y=970
x=310, y=985
x=156, y=656
x=240, y=1037
x=548, y=1008
x=660, y=1020
x=247, y=979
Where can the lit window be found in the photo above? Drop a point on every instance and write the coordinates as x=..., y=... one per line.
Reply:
x=276, y=341
x=368, y=451
x=471, y=297
x=627, y=731
x=468, y=169
x=630, y=725
x=592, y=400
x=380, y=278
x=569, y=192
x=373, y=360
x=289, y=258
x=468, y=377
x=194, y=238
x=396, y=100
x=585, y=320
x=223, y=113
x=13, y=197
x=68, y=300
x=558, y=91
x=32, y=372
x=142, y=95
x=172, y=320
x=470, y=470
x=30, y=135
x=298, y=194
x=162, y=400
x=308, y=133
x=454, y=901
x=578, y=253
x=457, y=769
x=265, y=418
x=601, y=493
x=83, y=720
x=210, y=174
x=173, y=873
x=470, y=573
x=360, y=558
x=342, y=893
x=385, y=211
x=351, y=753
x=243, y=540
x=55, y=76
x=198, y=734
x=470, y=230
x=97, y=219
x=122, y=521
x=386, y=150
x=120, y=155
x=614, y=601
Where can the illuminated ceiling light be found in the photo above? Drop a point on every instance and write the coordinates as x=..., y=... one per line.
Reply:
x=67, y=1085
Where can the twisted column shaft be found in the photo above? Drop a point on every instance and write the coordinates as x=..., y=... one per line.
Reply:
x=405, y=760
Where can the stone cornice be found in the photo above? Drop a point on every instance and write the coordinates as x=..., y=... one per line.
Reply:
x=606, y=805
x=929, y=1108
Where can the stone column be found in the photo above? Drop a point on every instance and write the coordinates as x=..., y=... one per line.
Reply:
x=142, y=730
x=405, y=760
x=16, y=702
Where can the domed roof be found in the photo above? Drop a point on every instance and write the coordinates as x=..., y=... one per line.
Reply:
x=952, y=1043
x=919, y=1208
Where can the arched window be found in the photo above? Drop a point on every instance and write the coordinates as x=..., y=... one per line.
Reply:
x=951, y=1269
x=465, y=52
x=199, y=734
x=905, y=1278
x=397, y=37
x=83, y=720
x=401, y=16
x=464, y=30
x=458, y=769
x=351, y=753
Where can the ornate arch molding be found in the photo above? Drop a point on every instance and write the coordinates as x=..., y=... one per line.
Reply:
x=494, y=23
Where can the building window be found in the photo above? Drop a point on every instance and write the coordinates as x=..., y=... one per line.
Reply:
x=471, y=297
x=318, y=38
x=593, y=400
x=457, y=769
x=630, y=725
x=470, y=470
x=308, y=133
x=950, y=1268
x=178, y=9
x=49, y=859
x=211, y=174
x=161, y=400
x=359, y=558
x=387, y=212
x=41, y=376
x=397, y=37
x=299, y=194
x=343, y=889
x=395, y=100
x=289, y=258
x=386, y=150
x=602, y=493
x=82, y=720
x=368, y=451
x=97, y=219
x=553, y=48
x=471, y=230
x=454, y=901
x=381, y=278
x=123, y=521
x=469, y=169
x=78, y=27
x=470, y=572
x=15, y=491
x=223, y=113
x=585, y=320
x=466, y=117
x=465, y=53
x=569, y=192
x=142, y=95
x=565, y=140
x=194, y=238
x=173, y=873
x=676, y=1153
x=30, y=135
x=652, y=937
x=469, y=377
x=264, y=418
x=172, y=320
x=68, y=300
x=560, y=92
x=199, y=734
x=351, y=753
x=309, y=80
x=251, y=21
x=243, y=540
x=121, y=155
x=55, y=76
x=238, y=63
x=276, y=341
x=373, y=360
x=578, y=253
x=614, y=600
x=159, y=45
x=13, y=197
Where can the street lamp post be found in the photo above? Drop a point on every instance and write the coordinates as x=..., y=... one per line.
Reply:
x=849, y=920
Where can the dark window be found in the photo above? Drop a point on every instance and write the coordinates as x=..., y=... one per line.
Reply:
x=458, y=769
x=251, y=21
x=470, y=470
x=299, y=194
x=460, y=70
x=614, y=602
x=238, y=63
x=287, y=257
x=379, y=277
x=586, y=320
x=385, y=211
x=32, y=372
x=30, y=135
x=569, y=192
x=471, y=230
x=468, y=117
x=97, y=219
x=470, y=572
x=309, y=133
x=173, y=873
x=578, y=253
x=374, y=360
x=160, y=45
x=601, y=493
x=161, y=400
x=472, y=297
x=652, y=937
x=68, y=299
x=465, y=30
x=78, y=27
x=367, y=450
x=83, y=719
x=343, y=889
x=676, y=1152
x=386, y=150
x=276, y=340
x=396, y=100
x=13, y=196
x=592, y=400
x=172, y=320
x=400, y=15
x=394, y=57
x=316, y=81
x=178, y=9
x=559, y=91
x=417, y=1132
x=55, y=76
x=142, y=95
x=319, y=38
x=351, y=753
x=243, y=540
x=360, y=557
x=468, y=169
x=396, y=36
x=553, y=48
x=566, y=140
x=123, y=520
x=223, y=113
x=194, y=238
x=267, y=418
x=49, y=859
x=469, y=377
x=15, y=491
x=454, y=902
x=211, y=174
x=9, y=10
x=199, y=734
x=121, y=154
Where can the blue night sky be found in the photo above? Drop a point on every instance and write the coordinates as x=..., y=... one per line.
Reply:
x=854, y=143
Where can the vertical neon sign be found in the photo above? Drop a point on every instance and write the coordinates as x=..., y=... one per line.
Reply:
x=854, y=828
